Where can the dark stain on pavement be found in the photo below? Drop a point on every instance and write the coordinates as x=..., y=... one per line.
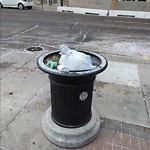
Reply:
x=127, y=92
x=99, y=84
x=5, y=65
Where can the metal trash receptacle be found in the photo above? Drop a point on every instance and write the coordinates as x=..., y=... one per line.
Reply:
x=71, y=101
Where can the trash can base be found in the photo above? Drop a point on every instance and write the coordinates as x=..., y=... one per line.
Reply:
x=71, y=137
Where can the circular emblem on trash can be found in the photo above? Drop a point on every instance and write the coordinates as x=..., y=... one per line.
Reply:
x=83, y=96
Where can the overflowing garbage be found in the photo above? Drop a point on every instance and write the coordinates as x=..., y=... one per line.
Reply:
x=51, y=64
x=71, y=60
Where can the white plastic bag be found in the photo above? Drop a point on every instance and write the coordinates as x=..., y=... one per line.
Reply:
x=74, y=60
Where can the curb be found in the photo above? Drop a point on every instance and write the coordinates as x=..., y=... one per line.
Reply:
x=100, y=12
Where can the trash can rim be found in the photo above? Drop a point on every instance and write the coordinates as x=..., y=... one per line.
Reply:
x=98, y=69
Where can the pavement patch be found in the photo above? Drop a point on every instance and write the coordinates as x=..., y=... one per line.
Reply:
x=120, y=73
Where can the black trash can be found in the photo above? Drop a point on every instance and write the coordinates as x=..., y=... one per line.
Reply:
x=71, y=92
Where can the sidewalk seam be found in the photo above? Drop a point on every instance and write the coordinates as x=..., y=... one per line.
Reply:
x=144, y=98
x=18, y=68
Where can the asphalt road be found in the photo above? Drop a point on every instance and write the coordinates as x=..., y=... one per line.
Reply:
x=24, y=28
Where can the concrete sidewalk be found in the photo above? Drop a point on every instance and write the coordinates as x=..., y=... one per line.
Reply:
x=121, y=96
